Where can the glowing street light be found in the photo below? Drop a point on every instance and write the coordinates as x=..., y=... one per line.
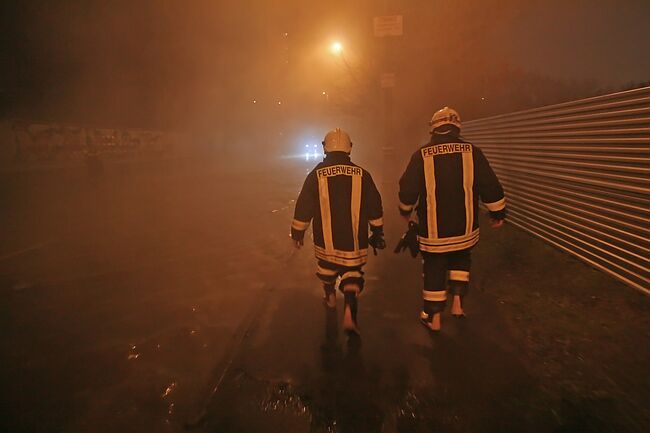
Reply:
x=336, y=48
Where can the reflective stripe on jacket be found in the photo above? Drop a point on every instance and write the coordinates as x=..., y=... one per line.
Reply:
x=342, y=201
x=445, y=179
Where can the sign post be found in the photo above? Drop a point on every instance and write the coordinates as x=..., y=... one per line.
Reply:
x=387, y=26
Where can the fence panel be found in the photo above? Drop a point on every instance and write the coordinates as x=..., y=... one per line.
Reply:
x=577, y=175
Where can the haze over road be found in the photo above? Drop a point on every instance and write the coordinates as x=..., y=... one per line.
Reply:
x=129, y=299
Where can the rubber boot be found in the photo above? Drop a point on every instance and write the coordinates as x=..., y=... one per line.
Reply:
x=432, y=323
x=350, y=313
x=329, y=300
x=456, y=307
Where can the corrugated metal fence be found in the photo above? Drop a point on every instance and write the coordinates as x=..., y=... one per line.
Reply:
x=577, y=175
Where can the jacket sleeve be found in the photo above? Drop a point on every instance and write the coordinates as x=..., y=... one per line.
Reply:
x=410, y=184
x=489, y=188
x=372, y=204
x=306, y=206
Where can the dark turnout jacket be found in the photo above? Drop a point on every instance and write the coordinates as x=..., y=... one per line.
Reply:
x=445, y=179
x=342, y=201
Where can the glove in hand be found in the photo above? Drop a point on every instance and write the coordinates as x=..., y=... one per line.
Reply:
x=409, y=240
x=377, y=242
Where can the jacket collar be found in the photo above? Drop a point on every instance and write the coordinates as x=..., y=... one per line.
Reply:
x=446, y=138
x=337, y=157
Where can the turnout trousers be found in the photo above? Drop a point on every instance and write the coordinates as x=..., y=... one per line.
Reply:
x=328, y=273
x=444, y=273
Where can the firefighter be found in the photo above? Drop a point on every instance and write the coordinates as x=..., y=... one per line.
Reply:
x=444, y=180
x=343, y=202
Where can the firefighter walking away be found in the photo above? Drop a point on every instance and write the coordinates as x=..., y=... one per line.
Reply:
x=342, y=202
x=446, y=178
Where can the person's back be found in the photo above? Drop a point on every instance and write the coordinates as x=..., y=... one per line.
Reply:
x=446, y=178
x=342, y=200
x=448, y=175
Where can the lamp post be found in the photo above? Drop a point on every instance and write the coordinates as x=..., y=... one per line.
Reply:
x=388, y=27
x=336, y=48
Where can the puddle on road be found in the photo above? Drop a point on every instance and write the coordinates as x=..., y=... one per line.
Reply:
x=350, y=389
x=251, y=404
x=168, y=390
x=344, y=394
x=343, y=403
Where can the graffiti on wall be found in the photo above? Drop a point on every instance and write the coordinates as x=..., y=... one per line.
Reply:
x=50, y=141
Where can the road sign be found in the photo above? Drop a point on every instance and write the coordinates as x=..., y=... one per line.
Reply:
x=389, y=25
x=386, y=80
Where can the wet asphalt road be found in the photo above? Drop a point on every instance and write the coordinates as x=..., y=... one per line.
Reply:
x=296, y=371
x=169, y=300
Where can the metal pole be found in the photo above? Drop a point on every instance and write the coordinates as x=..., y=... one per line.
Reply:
x=387, y=146
x=387, y=109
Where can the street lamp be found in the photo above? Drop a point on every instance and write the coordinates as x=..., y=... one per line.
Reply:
x=336, y=48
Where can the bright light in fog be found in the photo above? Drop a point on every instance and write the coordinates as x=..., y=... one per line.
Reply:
x=305, y=144
x=312, y=155
x=336, y=48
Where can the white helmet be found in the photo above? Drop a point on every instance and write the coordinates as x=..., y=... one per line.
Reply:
x=445, y=116
x=337, y=140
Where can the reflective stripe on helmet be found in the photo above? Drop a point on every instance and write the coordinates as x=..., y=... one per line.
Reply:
x=445, y=116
